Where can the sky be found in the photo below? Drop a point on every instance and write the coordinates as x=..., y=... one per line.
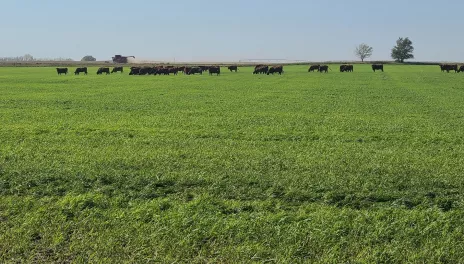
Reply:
x=229, y=31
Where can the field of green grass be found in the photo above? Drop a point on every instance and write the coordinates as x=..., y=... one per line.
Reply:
x=305, y=167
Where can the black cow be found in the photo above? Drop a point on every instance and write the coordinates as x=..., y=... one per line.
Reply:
x=134, y=71
x=449, y=67
x=232, y=68
x=461, y=69
x=62, y=71
x=346, y=68
x=147, y=70
x=79, y=70
x=174, y=70
x=195, y=70
x=103, y=70
x=117, y=69
x=204, y=68
x=313, y=68
x=162, y=71
x=261, y=69
x=276, y=69
x=214, y=70
x=323, y=68
x=376, y=67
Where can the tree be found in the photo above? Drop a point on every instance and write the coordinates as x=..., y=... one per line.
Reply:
x=28, y=57
x=403, y=50
x=88, y=58
x=363, y=51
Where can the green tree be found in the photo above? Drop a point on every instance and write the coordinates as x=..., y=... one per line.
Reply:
x=403, y=50
x=88, y=58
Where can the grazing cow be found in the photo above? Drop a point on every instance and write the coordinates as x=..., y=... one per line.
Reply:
x=79, y=70
x=147, y=70
x=323, y=68
x=461, y=69
x=194, y=70
x=346, y=68
x=313, y=68
x=103, y=70
x=449, y=67
x=174, y=70
x=214, y=70
x=233, y=68
x=442, y=67
x=259, y=66
x=261, y=69
x=275, y=69
x=62, y=71
x=376, y=67
x=162, y=71
x=134, y=71
x=117, y=69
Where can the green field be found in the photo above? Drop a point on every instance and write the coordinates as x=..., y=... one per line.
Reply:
x=299, y=168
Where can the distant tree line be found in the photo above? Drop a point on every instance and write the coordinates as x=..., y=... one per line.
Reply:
x=29, y=58
x=401, y=52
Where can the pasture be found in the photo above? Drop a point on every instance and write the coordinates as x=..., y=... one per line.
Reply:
x=356, y=167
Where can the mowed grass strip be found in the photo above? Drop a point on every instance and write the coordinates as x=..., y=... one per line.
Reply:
x=303, y=167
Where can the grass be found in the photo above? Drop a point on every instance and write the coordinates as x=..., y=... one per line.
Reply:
x=304, y=167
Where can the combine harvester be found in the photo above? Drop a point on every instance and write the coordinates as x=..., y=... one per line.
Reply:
x=121, y=59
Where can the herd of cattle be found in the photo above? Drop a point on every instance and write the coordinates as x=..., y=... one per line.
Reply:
x=259, y=69
x=451, y=67
x=157, y=70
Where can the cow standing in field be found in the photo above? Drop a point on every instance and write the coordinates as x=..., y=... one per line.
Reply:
x=261, y=69
x=134, y=71
x=232, y=68
x=79, y=70
x=346, y=68
x=174, y=70
x=147, y=70
x=103, y=70
x=117, y=69
x=442, y=67
x=376, y=67
x=162, y=71
x=215, y=70
x=461, y=69
x=62, y=71
x=449, y=67
x=323, y=68
x=313, y=68
x=275, y=69
x=194, y=70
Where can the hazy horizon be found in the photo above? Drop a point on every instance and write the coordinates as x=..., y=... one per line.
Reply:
x=186, y=31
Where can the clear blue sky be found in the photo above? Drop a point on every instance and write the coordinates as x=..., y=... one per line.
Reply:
x=204, y=30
